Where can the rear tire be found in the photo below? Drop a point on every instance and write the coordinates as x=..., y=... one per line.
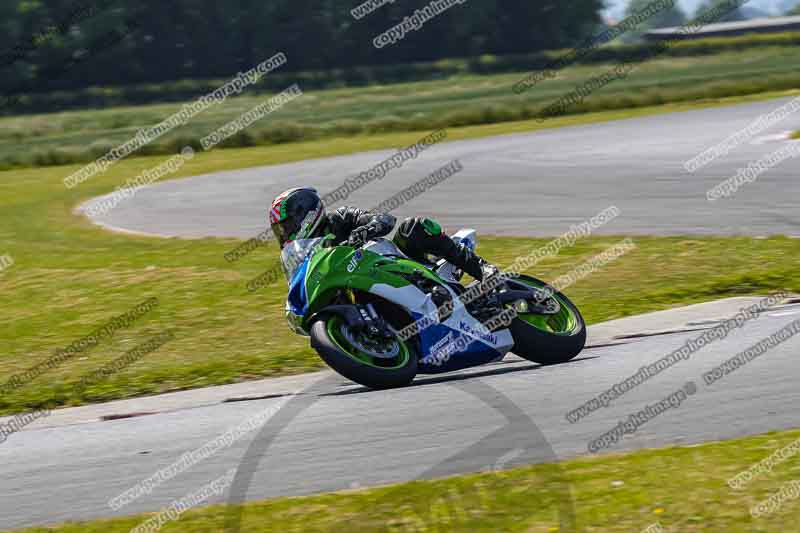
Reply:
x=344, y=358
x=546, y=347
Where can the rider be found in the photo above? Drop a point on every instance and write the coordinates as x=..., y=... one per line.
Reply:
x=300, y=214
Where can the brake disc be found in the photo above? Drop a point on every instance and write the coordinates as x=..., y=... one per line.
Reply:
x=371, y=349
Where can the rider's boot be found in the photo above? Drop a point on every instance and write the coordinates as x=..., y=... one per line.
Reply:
x=465, y=259
x=420, y=236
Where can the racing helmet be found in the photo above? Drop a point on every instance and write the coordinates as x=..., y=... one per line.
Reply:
x=296, y=214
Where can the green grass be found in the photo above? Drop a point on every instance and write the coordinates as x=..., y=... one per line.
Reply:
x=70, y=277
x=682, y=488
x=462, y=100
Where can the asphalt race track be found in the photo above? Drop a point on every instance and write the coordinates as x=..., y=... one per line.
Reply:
x=350, y=437
x=524, y=184
x=347, y=436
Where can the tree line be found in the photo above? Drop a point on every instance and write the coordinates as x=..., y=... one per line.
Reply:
x=167, y=40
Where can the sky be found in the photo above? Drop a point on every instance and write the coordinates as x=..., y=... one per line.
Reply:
x=775, y=7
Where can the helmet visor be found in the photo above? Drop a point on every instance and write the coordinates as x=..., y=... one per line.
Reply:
x=286, y=230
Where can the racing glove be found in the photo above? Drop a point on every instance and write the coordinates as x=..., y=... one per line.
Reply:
x=359, y=236
x=381, y=225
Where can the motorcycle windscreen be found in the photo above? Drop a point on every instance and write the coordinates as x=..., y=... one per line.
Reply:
x=295, y=253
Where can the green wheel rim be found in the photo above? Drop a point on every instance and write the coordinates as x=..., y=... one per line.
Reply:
x=565, y=322
x=334, y=327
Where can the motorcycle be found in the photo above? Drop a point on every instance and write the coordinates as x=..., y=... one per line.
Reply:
x=379, y=318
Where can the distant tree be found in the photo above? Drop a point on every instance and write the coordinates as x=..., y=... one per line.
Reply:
x=795, y=11
x=666, y=18
x=191, y=39
x=732, y=16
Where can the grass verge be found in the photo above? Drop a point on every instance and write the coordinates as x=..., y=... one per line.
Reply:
x=461, y=100
x=69, y=278
x=681, y=488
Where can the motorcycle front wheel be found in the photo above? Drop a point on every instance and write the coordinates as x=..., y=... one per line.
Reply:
x=376, y=363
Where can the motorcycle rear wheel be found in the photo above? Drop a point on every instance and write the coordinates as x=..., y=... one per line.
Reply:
x=548, y=339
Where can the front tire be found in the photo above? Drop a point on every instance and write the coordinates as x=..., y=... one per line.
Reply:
x=333, y=341
x=548, y=339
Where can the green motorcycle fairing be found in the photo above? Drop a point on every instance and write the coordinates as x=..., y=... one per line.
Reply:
x=380, y=269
